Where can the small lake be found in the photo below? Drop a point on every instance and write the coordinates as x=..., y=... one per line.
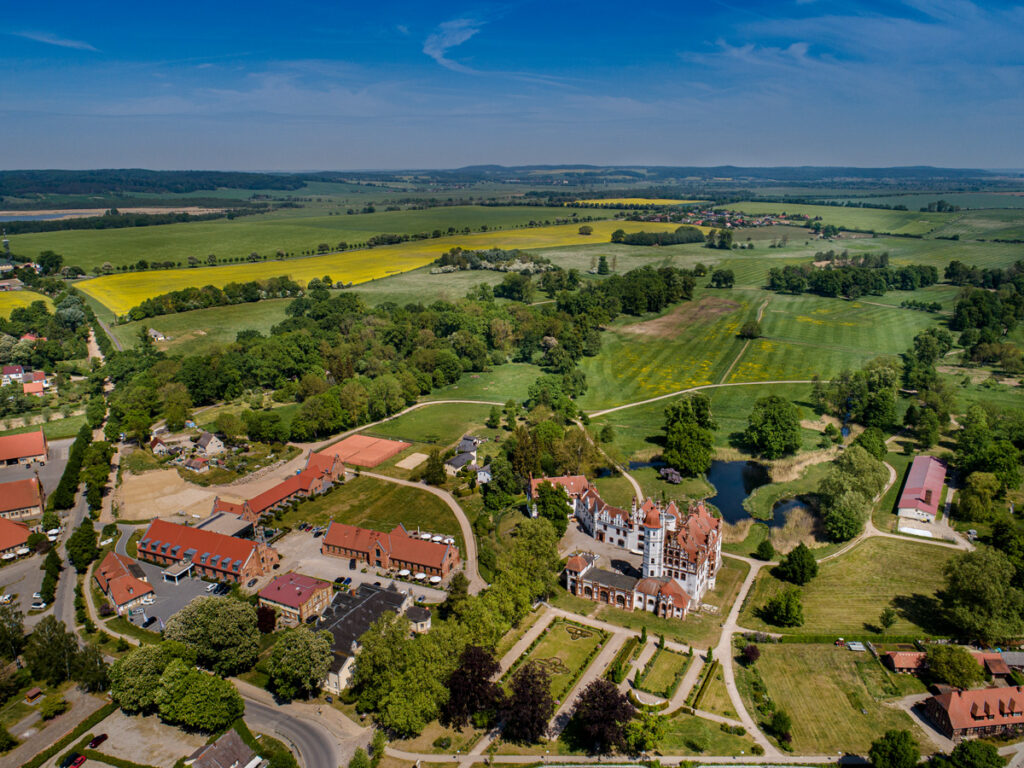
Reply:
x=734, y=481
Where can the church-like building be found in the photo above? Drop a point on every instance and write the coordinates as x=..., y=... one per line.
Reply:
x=681, y=552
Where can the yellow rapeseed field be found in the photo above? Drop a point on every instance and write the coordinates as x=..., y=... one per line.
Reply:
x=121, y=292
x=11, y=300
x=612, y=201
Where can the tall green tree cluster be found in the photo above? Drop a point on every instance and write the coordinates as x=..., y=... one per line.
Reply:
x=773, y=429
x=689, y=429
x=221, y=631
x=847, y=492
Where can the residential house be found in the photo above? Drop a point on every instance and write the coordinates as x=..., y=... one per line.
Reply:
x=21, y=499
x=483, y=475
x=348, y=618
x=911, y=662
x=396, y=550
x=159, y=447
x=13, y=536
x=197, y=464
x=122, y=580
x=24, y=448
x=921, y=493
x=12, y=373
x=228, y=751
x=457, y=462
x=210, y=445
x=198, y=552
x=971, y=714
x=296, y=597
x=33, y=388
x=419, y=618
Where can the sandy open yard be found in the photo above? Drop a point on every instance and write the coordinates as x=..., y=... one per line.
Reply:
x=132, y=737
x=412, y=461
x=160, y=493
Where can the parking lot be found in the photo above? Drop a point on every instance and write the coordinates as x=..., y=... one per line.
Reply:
x=300, y=552
x=169, y=599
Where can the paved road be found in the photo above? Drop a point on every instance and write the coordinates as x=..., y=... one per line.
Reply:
x=312, y=742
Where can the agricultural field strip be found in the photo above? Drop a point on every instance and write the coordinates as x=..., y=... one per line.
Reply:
x=121, y=292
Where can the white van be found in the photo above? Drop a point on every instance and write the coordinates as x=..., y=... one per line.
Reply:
x=211, y=587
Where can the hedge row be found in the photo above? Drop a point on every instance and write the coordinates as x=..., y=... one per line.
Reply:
x=64, y=495
x=709, y=675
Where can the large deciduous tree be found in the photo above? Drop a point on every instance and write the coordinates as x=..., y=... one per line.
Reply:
x=12, y=632
x=774, y=427
x=135, y=677
x=954, y=665
x=980, y=599
x=299, y=663
x=195, y=699
x=553, y=505
x=529, y=707
x=799, y=566
x=601, y=715
x=784, y=609
x=470, y=688
x=896, y=749
x=50, y=651
x=222, y=631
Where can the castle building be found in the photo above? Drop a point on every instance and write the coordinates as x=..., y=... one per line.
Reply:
x=682, y=553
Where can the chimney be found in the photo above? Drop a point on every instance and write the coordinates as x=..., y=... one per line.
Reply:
x=928, y=496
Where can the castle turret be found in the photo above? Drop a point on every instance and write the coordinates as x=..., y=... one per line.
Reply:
x=654, y=542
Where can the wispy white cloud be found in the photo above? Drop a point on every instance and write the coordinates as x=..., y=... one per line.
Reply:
x=449, y=35
x=51, y=39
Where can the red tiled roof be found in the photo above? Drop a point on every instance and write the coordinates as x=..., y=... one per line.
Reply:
x=20, y=494
x=12, y=534
x=576, y=564
x=907, y=659
x=398, y=544
x=926, y=474
x=114, y=576
x=292, y=589
x=983, y=708
x=286, y=488
x=202, y=541
x=574, y=485
x=321, y=463
x=10, y=370
x=234, y=508
x=32, y=388
x=22, y=446
x=694, y=535
x=36, y=376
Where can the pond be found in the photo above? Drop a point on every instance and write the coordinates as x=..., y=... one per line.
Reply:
x=734, y=481
x=33, y=217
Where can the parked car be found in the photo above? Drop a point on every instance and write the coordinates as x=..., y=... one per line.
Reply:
x=329, y=699
x=149, y=622
x=317, y=534
x=252, y=583
x=68, y=761
x=339, y=580
x=212, y=587
x=79, y=761
x=377, y=584
x=97, y=741
x=38, y=605
x=6, y=599
x=352, y=564
x=148, y=600
x=312, y=619
x=348, y=580
x=37, y=596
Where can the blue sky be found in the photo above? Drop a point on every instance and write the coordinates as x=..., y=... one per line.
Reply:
x=341, y=85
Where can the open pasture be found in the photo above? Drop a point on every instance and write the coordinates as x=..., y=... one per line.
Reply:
x=846, y=711
x=850, y=591
x=878, y=220
x=121, y=292
x=289, y=230
x=12, y=300
x=441, y=424
x=1005, y=224
x=689, y=345
x=917, y=200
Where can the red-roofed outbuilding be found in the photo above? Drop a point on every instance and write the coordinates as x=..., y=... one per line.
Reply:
x=921, y=493
x=207, y=553
x=395, y=550
x=24, y=448
x=296, y=597
x=20, y=499
x=13, y=536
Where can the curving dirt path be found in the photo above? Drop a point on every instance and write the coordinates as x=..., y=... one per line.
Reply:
x=649, y=400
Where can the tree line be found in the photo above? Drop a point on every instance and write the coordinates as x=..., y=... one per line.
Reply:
x=680, y=236
x=850, y=281
x=187, y=299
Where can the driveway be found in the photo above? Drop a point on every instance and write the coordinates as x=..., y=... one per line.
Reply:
x=300, y=552
x=170, y=597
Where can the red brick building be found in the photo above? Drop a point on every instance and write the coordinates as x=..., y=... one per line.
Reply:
x=319, y=474
x=21, y=499
x=24, y=448
x=296, y=597
x=391, y=551
x=200, y=552
x=13, y=536
x=970, y=714
x=122, y=580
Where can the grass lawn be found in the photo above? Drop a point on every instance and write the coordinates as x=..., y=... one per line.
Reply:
x=884, y=513
x=851, y=590
x=499, y=385
x=425, y=743
x=682, y=730
x=513, y=636
x=372, y=503
x=199, y=331
x=833, y=695
x=54, y=430
x=661, y=674
x=441, y=424
x=699, y=629
x=716, y=698
x=122, y=626
x=132, y=545
x=564, y=650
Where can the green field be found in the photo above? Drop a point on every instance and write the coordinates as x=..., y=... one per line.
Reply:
x=683, y=730
x=372, y=503
x=441, y=424
x=851, y=590
x=288, y=230
x=54, y=430
x=878, y=220
x=500, y=384
x=716, y=697
x=834, y=696
x=564, y=650
x=917, y=200
x=660, y=676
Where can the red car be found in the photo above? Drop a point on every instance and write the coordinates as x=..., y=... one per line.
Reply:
x=80, y=760
x=97, y=741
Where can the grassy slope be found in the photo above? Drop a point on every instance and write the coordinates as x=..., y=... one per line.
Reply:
x=851, y=590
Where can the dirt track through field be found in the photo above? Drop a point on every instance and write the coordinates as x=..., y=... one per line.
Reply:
x=685, y=315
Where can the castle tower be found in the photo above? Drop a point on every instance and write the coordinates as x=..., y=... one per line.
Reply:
x=654, y=542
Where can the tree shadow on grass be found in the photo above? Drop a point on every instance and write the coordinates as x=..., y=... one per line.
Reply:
x=923, y=610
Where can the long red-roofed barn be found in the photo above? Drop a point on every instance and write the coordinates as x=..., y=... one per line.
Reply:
x=922, y=491
x=971, y=714
x=204, y=553
x=24, y=448
x=319, y=474
x=398, y=549
x=21, y=499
